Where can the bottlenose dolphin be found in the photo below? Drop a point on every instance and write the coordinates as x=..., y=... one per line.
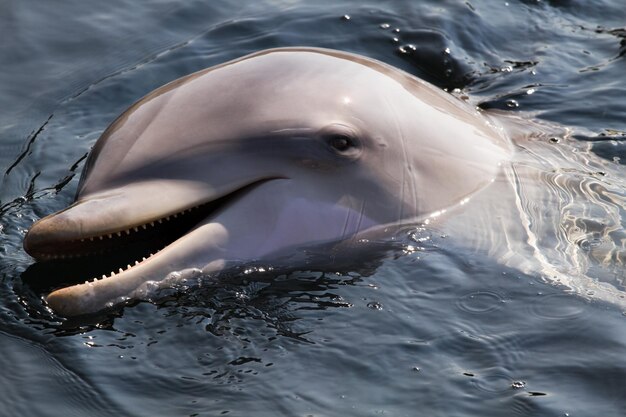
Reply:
x=278, y=150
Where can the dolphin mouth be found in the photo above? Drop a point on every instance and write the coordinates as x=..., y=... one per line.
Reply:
x=124, y=248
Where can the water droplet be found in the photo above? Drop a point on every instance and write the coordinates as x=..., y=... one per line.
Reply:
x=407, y=49
x=375, y=305
x=512, y=104
x=518, y=384
x=384, y=26
x=345, y=17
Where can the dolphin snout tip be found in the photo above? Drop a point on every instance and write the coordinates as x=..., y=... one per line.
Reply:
x=48, y=235
x=35, y=239
x=63, y=304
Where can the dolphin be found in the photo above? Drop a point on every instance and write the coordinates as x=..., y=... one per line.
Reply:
x=260, y=157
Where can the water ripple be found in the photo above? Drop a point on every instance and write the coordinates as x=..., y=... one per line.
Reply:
x=480, y=302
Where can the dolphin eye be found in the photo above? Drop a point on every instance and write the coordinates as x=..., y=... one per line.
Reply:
x=340, y=142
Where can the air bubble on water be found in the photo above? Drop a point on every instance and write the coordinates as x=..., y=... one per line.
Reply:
x=512, y=104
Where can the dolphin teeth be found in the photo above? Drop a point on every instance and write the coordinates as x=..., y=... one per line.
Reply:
x=110, y=236
x=91, y=238
x=144, y=226
x=175, y=215
x=119, y=233
x=152, y=224
x=103, y=276
x=136, y=229
x=136, y=262
x=82, y=240
x=121, y=270
x=144, y=258
x=101, y=237
x=128, y=231
x=128, y=266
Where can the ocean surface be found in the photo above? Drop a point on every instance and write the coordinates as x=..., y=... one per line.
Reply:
x=432, y=331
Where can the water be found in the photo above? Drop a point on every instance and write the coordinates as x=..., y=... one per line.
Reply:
x=436, y=331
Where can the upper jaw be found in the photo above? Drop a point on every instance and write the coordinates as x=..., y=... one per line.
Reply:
x=123, y=212
x=136, y=212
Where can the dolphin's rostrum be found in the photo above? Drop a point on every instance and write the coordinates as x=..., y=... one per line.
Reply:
x=259, y=156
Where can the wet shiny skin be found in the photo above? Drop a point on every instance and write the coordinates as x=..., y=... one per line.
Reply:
x=423, y=152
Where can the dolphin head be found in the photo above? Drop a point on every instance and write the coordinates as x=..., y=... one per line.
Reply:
x=277, y=150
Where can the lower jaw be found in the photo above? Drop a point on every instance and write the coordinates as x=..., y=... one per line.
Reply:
x=47, y=276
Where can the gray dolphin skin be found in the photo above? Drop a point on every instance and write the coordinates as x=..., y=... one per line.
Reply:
x=264, y=155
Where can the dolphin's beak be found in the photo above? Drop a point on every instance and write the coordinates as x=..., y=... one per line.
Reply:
x=132, y=216
x=102, y=220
